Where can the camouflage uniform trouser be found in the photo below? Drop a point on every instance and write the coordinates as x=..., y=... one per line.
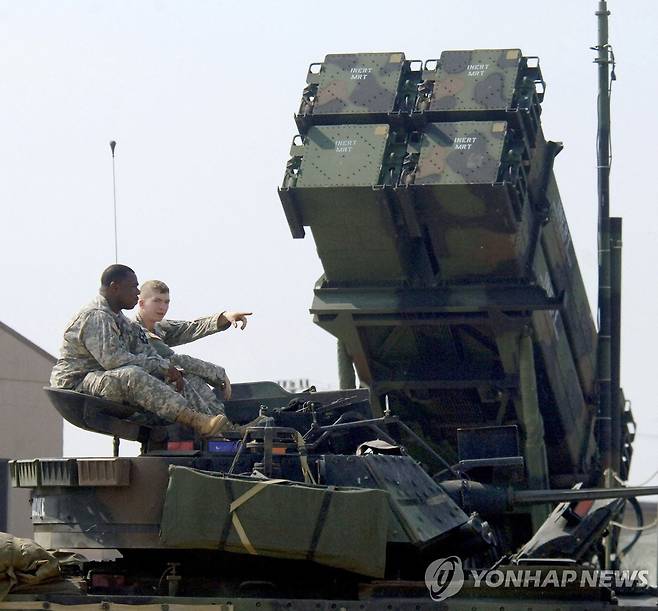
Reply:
x=211, y=373
x=134, y=385
x=200, y=396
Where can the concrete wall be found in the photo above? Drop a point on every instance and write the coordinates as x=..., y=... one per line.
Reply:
x=29, y=425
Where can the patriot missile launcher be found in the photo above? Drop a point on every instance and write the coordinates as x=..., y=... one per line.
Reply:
x=450, y=278
x=451, y=284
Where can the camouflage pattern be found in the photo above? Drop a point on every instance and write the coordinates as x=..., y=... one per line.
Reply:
x=334, y=191
x=566, y=279
x=483, y=84
x=169, y=333
x=476, y=80
x=452, y=285
x=477, y=226
x=461, y=153
x=98, y=339
x=134, y=385
x=211, y=373
x=343, y=156
x=470, y=222
x=178, y=332
x=200, y=396
x=431, y=236
x=105, y=354
x=354, y=84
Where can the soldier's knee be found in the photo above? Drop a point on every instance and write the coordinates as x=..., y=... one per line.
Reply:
x=130, y=373
x=111, y=388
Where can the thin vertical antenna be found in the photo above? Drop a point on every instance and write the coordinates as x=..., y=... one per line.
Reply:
x=113, y=144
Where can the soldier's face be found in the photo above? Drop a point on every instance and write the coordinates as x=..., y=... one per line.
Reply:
x=155, y=306
x=127, y=291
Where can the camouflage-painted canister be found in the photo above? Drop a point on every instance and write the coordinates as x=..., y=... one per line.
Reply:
x=445, y=247
x=358, y=88
x=479, y=80
x=483, y=84
x=337, y=191
x=470, y=189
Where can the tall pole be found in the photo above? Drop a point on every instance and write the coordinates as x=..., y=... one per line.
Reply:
x=615, y=344
x=114, y=194
x=604, y=351
x=604, y=297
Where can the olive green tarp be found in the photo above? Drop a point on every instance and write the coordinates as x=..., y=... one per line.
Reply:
x=344, y=528
x=22, y=561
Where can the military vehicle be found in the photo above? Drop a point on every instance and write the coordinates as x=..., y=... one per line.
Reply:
x=476, y=438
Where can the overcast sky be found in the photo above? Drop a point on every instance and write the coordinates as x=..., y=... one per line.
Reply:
x=200, y=96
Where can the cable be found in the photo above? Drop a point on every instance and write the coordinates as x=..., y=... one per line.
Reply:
x=639, y=517
x=168, y=570
x=636, y=528
x=644, y=483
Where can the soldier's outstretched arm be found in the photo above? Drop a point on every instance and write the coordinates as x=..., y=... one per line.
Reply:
x=100, y=335
x=178, y=332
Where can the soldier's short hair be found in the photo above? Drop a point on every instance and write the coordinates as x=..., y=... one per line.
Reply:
x=114, y=273
x=150, y=287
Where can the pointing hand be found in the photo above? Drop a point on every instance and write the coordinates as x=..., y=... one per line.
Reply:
x=236, y=317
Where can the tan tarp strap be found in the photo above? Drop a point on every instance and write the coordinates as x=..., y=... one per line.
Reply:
x=241, y=500
x=303, y=459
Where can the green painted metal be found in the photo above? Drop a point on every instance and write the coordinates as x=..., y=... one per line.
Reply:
x=448, y=238
x=461, y=153
x=604, y=348
x=477, y=80
x=533, y=424
x=358, y=83
x=343, y=156
x=346, y=373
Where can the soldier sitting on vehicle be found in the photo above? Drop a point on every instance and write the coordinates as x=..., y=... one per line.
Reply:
x=107, y=355
x=162, y=334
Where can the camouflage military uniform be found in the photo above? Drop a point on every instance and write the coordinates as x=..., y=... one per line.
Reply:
x=105, y=354
x=169, y=333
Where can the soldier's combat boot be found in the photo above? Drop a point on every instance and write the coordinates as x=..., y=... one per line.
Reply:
x=204, y=425
x=258, y=421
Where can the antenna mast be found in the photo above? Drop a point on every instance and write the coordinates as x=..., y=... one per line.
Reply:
x=604, y=367
x=113, y=144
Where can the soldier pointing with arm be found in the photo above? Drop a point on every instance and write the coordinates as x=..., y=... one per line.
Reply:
x=107, y=355
x=162, y=334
